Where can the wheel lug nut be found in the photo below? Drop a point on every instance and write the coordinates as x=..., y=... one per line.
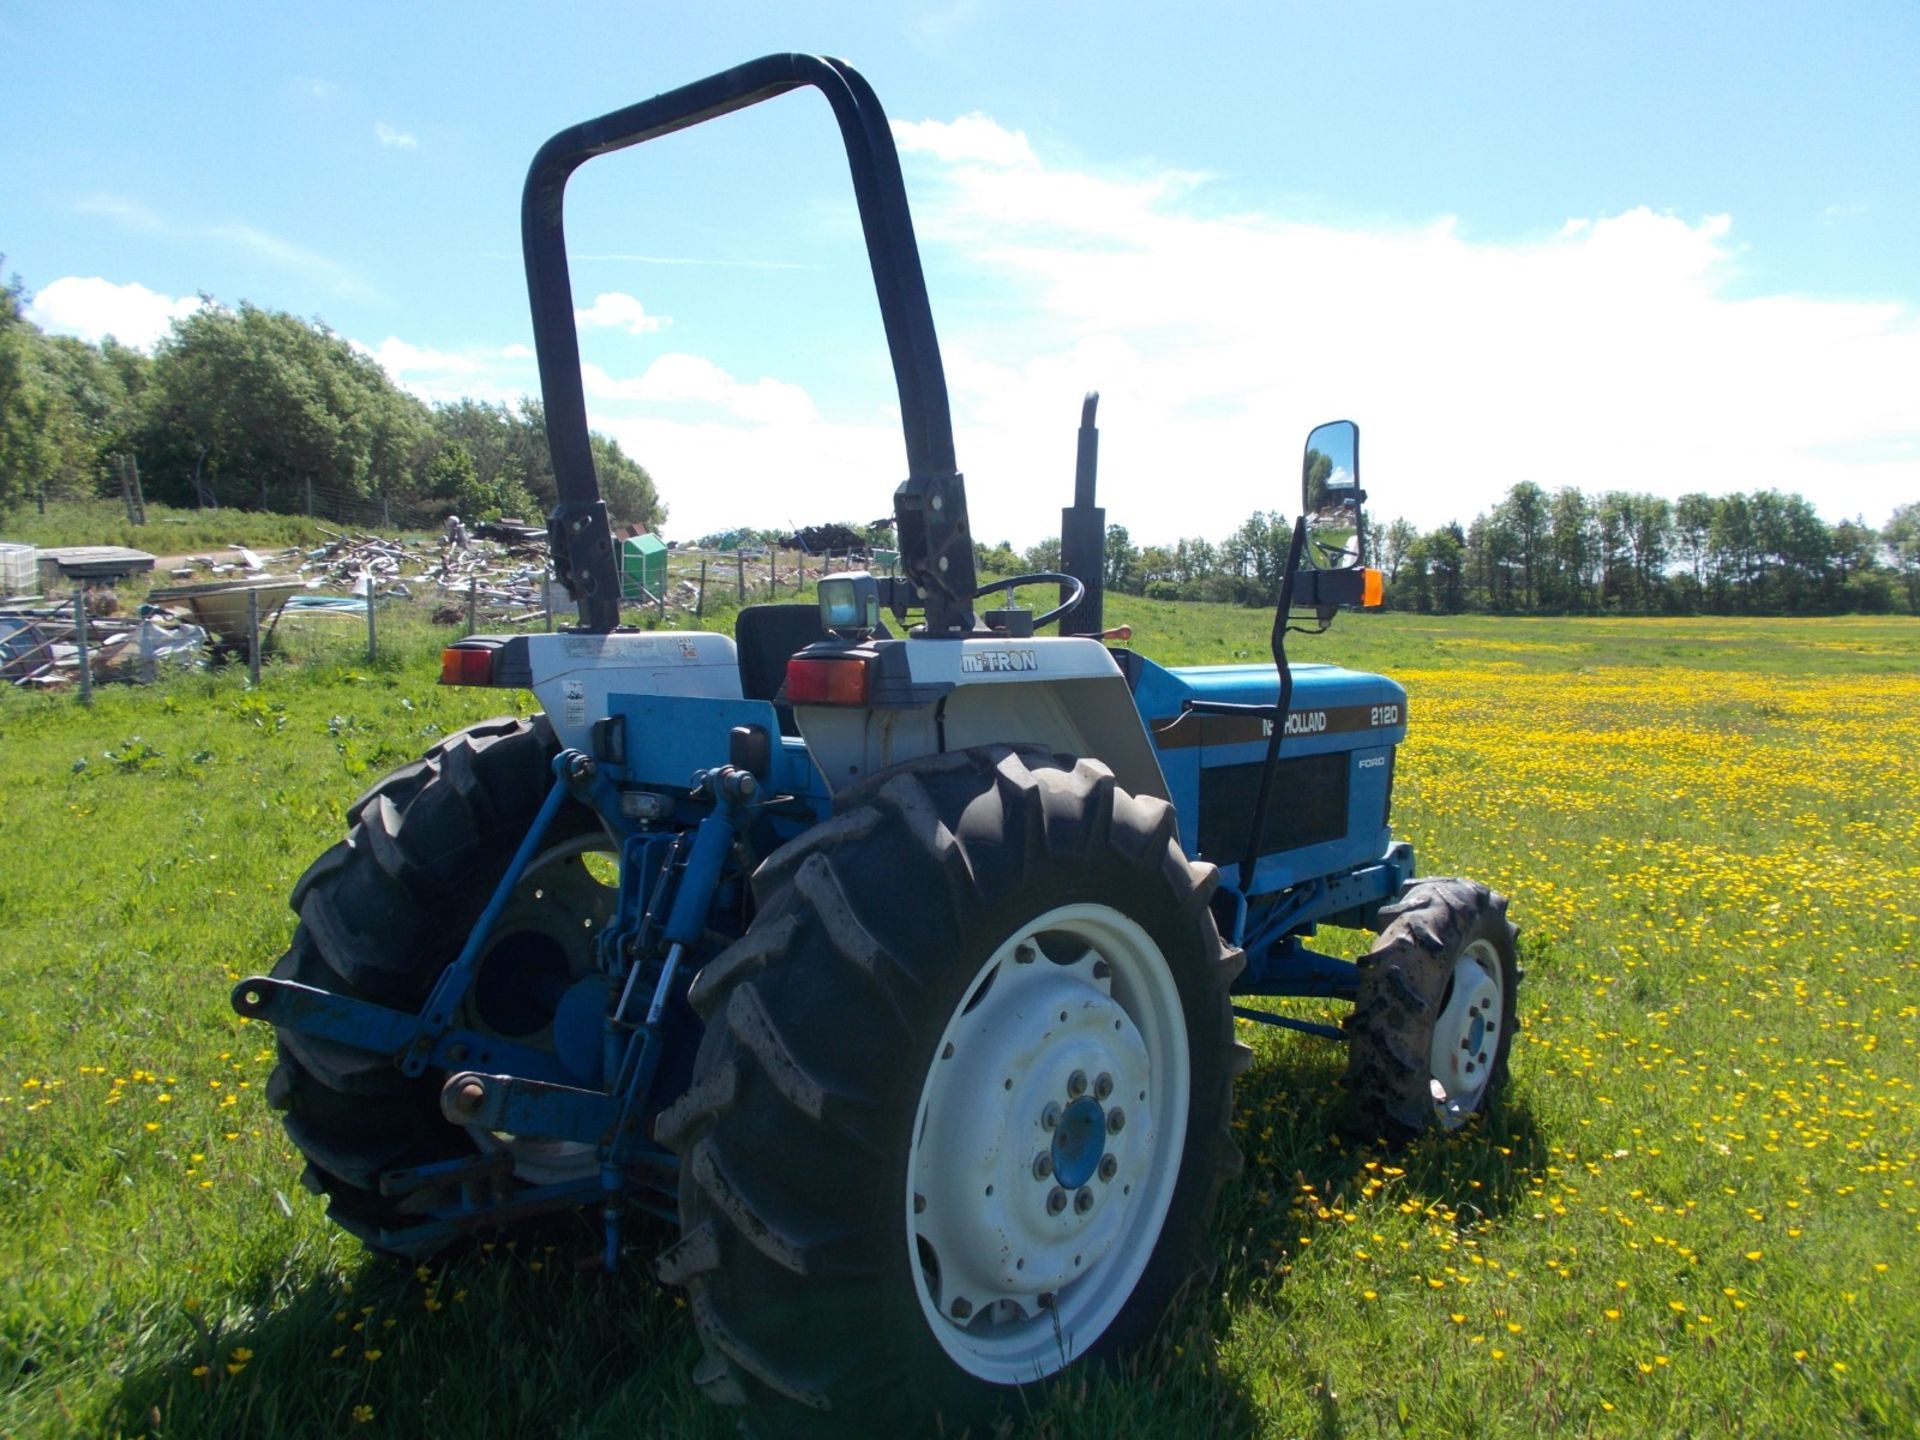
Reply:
x=1050, y=1116
x=1116, y=1121
x=1023, y=954
x=1077, y=1084
x=1109, y=1167
x=1082, y=1200
x=1042, y=1165
x=962, y=1308
x=1056, y=1201
x=1103, y=1087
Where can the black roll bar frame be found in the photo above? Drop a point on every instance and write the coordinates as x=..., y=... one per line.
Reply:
x=936, y=544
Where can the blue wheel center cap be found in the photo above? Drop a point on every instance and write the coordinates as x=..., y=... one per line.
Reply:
x=1079, y=1141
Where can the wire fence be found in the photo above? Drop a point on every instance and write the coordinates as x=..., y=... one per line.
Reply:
x=77, y=638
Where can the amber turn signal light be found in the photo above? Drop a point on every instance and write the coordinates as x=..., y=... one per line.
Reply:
x=838, y=681
x=459, y=666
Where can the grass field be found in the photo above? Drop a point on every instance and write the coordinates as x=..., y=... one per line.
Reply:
x=168, y=531
x=1695, y=1211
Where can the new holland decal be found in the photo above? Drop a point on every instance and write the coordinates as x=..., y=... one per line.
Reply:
x=1183, y=731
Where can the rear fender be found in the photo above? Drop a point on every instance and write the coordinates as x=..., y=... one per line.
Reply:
x=573, y=675
x=930, y=696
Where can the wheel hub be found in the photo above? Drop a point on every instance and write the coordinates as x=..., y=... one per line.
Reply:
x=1079, y=1142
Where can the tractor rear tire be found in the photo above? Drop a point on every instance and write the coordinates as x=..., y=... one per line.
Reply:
x=1435, y=1013
x=960, y=1115
x=382, y=913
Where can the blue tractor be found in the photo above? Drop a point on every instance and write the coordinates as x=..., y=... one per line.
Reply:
x=896, y=970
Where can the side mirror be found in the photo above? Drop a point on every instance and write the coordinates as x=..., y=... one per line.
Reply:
x=1331, y=497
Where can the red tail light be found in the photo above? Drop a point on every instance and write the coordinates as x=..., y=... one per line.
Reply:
x=460, y=666
x=838, y=681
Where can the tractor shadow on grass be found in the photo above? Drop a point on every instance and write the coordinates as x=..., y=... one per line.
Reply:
x=529, y=1338
x=1304, y=1166
x=520, y=1338
x=1307, y=1172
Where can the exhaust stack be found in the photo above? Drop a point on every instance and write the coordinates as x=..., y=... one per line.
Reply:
x=1083, y=532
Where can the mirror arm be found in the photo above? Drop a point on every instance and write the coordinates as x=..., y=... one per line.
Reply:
x=1263, y=799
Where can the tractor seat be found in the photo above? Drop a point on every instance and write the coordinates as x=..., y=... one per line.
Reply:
x=766, y=637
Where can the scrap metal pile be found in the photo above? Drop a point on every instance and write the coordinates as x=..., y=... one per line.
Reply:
x=495, y=576
x=504, y=578
x=40, y=643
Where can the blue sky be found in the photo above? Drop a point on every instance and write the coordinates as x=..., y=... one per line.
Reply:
x=1642, y=245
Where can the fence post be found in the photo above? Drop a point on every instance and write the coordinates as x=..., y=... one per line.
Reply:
x=372, y=647
x=473, y=600
x=740, y=577
x=700, y=600
x=773, y=579
x=546, y=597
x=80, y=634
x=253, y=636
x=126, y=488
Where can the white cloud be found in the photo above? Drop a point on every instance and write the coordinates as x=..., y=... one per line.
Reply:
x=317, y=88
x=1604, y=351
x=715, y=475
x=139, y=218
x=311, y=263
x=1609, y=352
x=395, y=138
x=685, y=380
x=494, y=374
x=619, y=311
x=92, y=309
x=129, y=214
x=971, y=138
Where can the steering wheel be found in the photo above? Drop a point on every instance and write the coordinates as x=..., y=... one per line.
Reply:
x=1039, y=577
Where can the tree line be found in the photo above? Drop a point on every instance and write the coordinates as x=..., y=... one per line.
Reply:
x=261, y=410
x=1562, y=553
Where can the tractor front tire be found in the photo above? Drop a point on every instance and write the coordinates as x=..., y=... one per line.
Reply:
x=960, y=1115
x=388, y=908
x=1435, y=1015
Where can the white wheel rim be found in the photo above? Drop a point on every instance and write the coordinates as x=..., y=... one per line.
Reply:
x=1070, y=1044
x=1466, y=1037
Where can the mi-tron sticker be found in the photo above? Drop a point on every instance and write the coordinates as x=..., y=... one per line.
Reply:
x=575, y=708
x=997, y=662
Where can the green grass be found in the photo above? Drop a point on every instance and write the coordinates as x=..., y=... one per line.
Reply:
x=1675, y=1223
x=167, y=532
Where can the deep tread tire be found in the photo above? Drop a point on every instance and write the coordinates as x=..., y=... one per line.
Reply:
x=382, y=913
x=822, y=1022
x=1406, y=984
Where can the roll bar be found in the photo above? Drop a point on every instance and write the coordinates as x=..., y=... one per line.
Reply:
x=936, y=544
